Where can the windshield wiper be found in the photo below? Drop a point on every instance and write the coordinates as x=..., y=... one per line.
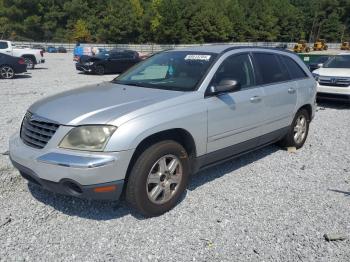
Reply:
x=128, y=83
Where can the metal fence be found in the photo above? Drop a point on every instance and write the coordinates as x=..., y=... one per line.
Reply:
x=152, y=48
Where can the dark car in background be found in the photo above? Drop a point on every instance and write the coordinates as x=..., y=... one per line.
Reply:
x=61, y=49
x=281, y=46
x=11, y=65
x=41, y=47
x=52, y=49
x=114, y=61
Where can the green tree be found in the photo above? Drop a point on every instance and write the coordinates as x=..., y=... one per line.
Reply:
x=80, y=32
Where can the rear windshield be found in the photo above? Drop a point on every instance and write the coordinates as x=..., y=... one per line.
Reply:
x=339, y=61
x=175, y=70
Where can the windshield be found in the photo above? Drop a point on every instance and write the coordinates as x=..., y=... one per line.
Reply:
x=339, y=61
x=175, y=70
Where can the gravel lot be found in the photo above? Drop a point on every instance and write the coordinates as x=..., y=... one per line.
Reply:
x=267, y=205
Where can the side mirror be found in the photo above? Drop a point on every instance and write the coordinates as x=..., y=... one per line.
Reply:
x=319, y=65
x=225, y=86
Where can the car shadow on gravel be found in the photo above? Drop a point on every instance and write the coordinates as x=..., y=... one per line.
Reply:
x=229, y=166
x=89, y=209
x=334, y=105
x=347, y=194
x=106, y=210
x=22, y=76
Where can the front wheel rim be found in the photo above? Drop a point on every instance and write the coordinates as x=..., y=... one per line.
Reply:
x=300, y=129
x=164, y=179
x=7, y=72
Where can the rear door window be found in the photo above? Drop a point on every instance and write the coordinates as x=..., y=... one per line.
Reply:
x=295, y=71
x=270, y=68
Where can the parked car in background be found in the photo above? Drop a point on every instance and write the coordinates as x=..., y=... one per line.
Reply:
x=114, y=61
x=169, y=116
x=61, y=49
x=282, y=46
x=32, y=57
x=86, y=50
x=41, y=47
x=11, y=65
x=318, y=63
x=333, y=78
x=52, y=49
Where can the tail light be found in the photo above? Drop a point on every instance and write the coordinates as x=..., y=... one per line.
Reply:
x=21, y=61
x=42, y=53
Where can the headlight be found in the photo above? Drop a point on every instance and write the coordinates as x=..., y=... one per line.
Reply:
x=89, y=63
x=316, y=76
x=88, y=138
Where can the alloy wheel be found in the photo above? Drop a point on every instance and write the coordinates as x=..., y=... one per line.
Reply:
x=164, y=179
x=300, y=129
x=29, y=62
x=7, y=72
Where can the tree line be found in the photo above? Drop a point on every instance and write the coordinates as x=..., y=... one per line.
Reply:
x=174, y=21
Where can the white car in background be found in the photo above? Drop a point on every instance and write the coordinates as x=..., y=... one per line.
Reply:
x=31, y=57
x=333, y=78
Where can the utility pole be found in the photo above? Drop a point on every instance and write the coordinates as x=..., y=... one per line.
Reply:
x=342, y=35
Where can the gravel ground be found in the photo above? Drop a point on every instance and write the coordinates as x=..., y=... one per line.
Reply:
x=269, y=205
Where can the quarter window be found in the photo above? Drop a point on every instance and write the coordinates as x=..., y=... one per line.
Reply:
x=270, y=68
x=3, y=45
x=236, y=67
x=295, y=71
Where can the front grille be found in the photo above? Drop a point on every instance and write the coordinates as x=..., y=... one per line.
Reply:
x=333, y=96
x=341, y=82
x=37, y=131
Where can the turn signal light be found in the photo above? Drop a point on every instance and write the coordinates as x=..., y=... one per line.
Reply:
x=21, y=61
x=105, y=189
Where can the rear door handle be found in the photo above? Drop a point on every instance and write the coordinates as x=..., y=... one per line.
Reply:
x=255, y=99
x=291, y=90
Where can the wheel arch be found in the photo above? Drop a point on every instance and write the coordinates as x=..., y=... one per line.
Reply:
x=179, y=135
x=30, y=56
x=308, y=108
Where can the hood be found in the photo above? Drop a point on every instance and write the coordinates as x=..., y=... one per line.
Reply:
x=335, y=72
x=98, y=104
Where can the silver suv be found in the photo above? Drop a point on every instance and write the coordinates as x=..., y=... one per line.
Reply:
x=143, y=134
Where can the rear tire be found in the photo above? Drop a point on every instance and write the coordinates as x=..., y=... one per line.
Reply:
x=298, y=131
x=29, y=62
x=7, y=72
x=99, y=70
x=158, y=178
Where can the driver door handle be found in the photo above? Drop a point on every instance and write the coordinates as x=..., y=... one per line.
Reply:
x=255, y=99
x=291, y=90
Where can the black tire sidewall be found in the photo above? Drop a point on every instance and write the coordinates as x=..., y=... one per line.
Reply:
x=138, y=178
x=100, y=70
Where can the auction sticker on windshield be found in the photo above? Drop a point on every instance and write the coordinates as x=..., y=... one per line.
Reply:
x=198, y=57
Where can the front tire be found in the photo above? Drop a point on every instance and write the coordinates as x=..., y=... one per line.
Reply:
x=158, y=178
x=298, y=131
x=99, y=70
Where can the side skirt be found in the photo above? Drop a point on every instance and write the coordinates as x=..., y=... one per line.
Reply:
x=237, y=150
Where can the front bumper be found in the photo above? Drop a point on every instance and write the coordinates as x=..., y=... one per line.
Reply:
x=60, y=170
x=84, y=68
x=333, y=93
x=105, y=191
